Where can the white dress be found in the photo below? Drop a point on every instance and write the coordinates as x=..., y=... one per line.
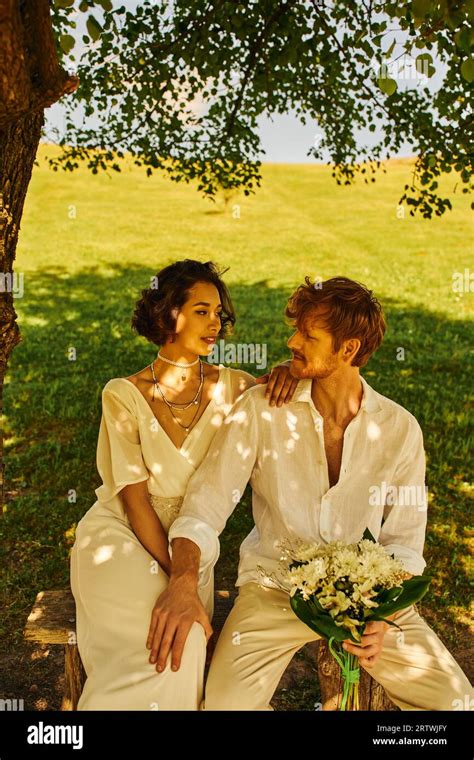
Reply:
x=114, y=579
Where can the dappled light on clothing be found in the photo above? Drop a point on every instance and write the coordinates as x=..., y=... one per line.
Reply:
x=281, y=452
x=114, y=579
x=103, y=554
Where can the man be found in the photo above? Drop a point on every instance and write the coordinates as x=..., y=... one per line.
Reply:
x=314, y=465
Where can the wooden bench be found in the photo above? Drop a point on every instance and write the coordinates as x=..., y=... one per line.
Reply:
x=53, y=621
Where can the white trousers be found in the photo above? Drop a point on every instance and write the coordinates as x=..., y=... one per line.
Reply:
x=262, y=633
x=115, y=583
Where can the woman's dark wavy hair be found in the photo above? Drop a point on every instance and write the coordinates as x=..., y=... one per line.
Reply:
x=153, y=316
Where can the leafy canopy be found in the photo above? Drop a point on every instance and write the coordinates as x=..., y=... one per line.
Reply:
x=181, y=85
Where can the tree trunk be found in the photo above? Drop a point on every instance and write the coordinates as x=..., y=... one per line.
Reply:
x=30, y=80
x=18, y=146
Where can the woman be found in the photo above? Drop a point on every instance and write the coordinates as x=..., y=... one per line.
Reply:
x=156, y=428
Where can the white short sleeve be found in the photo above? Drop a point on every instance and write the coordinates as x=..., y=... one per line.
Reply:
x=119, y=453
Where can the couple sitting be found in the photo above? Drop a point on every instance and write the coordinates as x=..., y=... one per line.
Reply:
x=178, y=443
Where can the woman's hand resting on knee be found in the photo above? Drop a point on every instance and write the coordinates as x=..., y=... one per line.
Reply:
x=174, y=613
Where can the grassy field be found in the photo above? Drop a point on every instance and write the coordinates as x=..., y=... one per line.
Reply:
x=89, y=244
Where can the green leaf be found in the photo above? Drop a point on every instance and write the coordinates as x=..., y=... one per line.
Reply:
x=391, y=622
x=387, y=85
x=425, y=57
x=301, y=609
x=467, y=69
x=66, y=43
x=414, y=589
x=420, y=8
x=322, y=624
x=470, y=9
x=455, y=19
x=391, y=48
x=424, y=64
x=107, y=5
x=325, y=626
x=389, y=594
x=63, y=3
x=94, y=28
x=463, y=39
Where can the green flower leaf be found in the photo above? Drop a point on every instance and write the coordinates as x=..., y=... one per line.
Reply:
x=414, y=589
x=389, y=594
x=368, y=536
x=322, y=624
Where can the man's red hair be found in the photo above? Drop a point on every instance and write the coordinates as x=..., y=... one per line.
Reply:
x=348, y=310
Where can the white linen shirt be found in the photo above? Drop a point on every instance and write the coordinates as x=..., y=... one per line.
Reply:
x=281, y=451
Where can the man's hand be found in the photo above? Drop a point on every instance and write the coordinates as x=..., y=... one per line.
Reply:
x=370, y=647
x=174, y=613
x=280, y=384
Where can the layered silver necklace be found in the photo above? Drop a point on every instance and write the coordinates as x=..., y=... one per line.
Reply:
x=174, y=405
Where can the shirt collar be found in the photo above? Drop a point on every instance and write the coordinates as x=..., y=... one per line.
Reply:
x=369, y=401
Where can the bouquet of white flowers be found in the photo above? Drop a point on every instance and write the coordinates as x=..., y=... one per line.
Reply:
x=337, y=588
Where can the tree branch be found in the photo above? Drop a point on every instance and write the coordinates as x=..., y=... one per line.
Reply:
x=356, y=74
x=258, y=46
x=31, y=77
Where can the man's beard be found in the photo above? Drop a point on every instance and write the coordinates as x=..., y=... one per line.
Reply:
x=301, y=370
